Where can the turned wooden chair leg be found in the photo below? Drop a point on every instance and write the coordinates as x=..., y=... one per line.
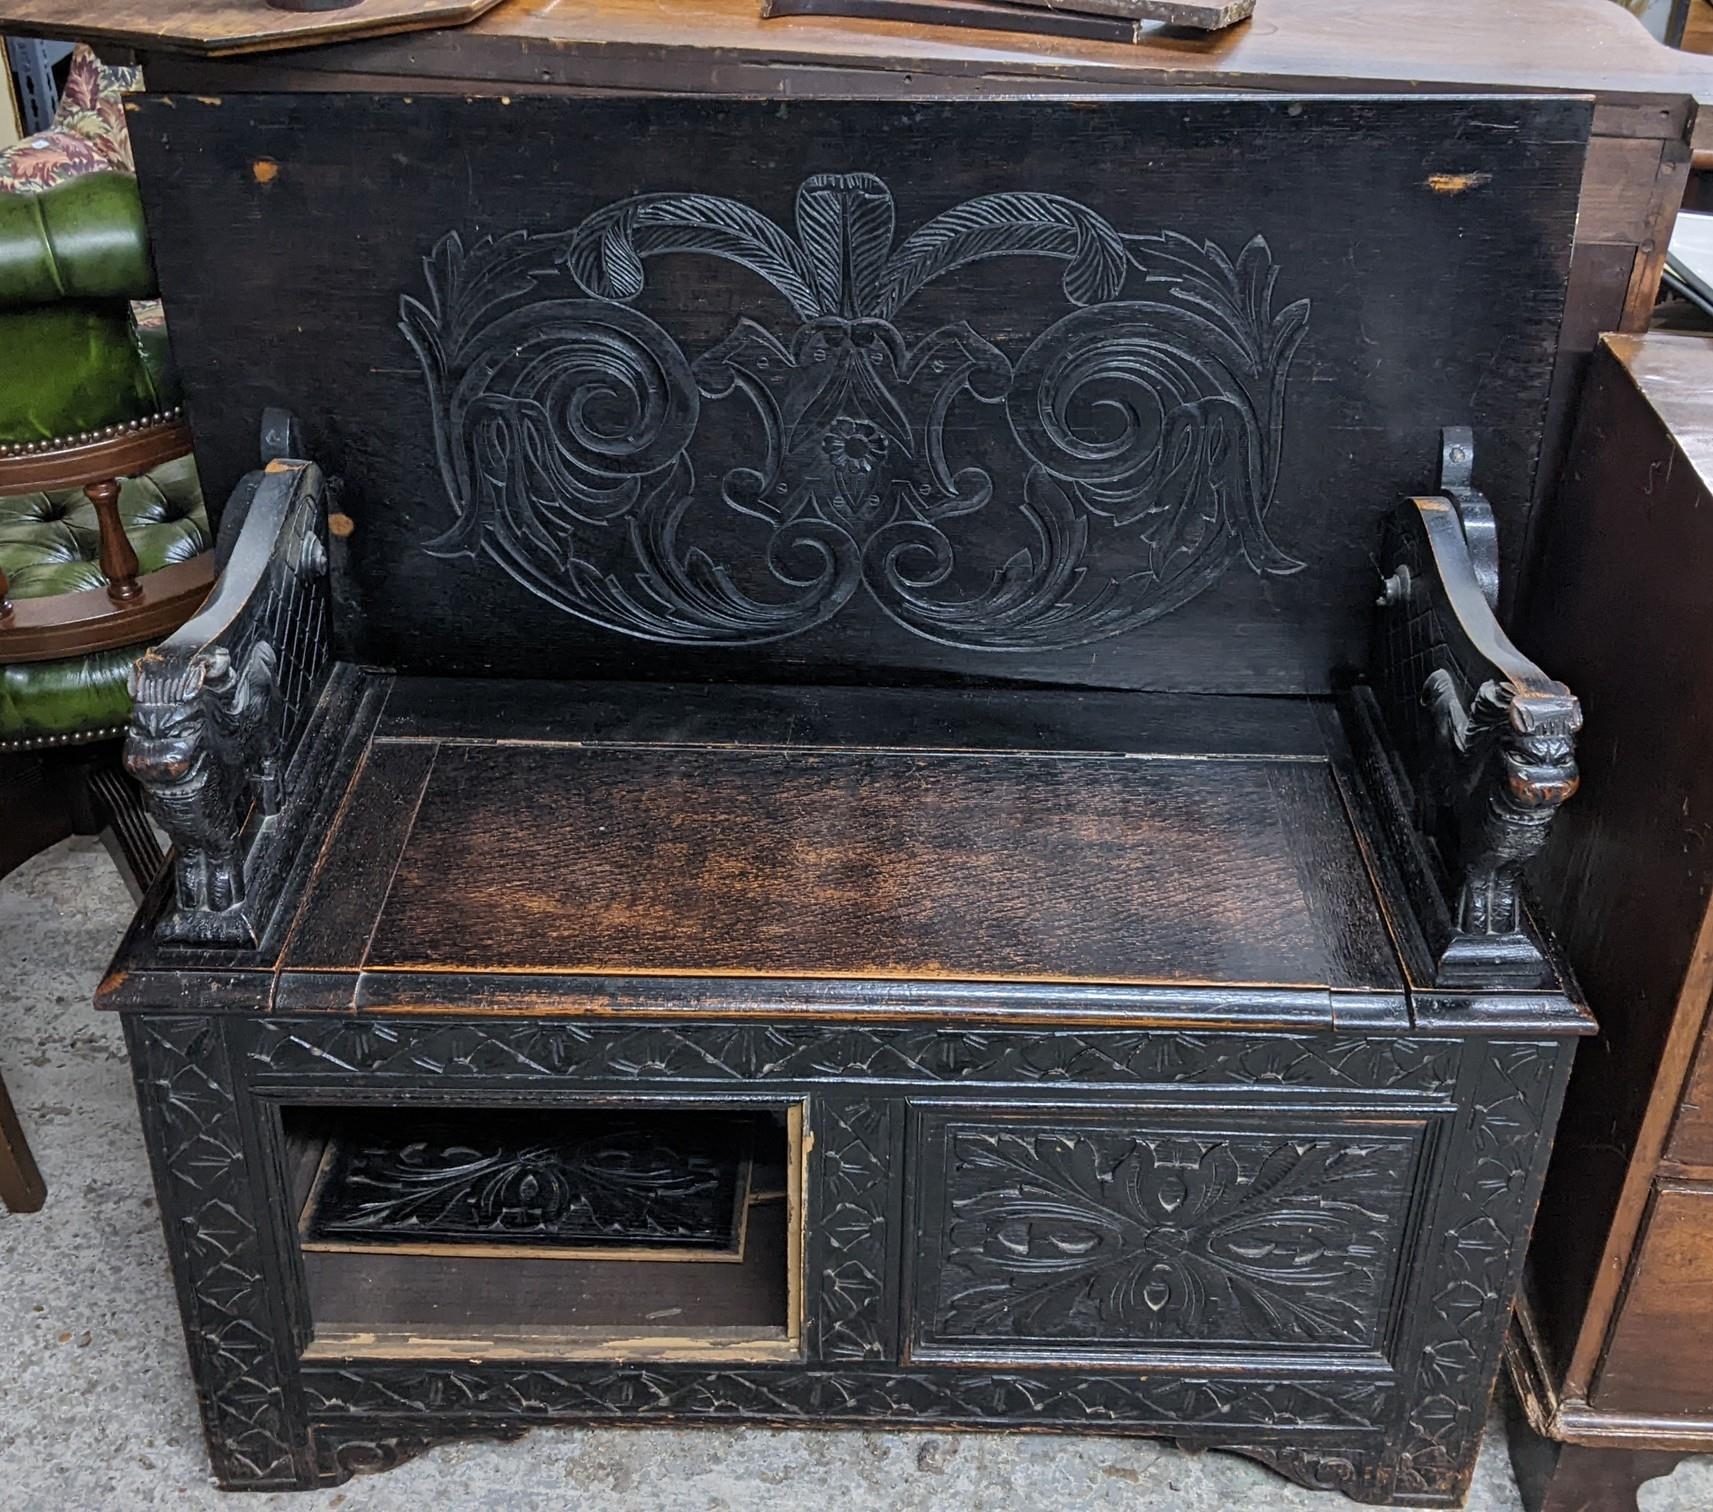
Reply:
x=118, y=558
x=21, y=1187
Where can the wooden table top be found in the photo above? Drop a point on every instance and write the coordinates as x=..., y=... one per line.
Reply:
x=1581, y=45
x=1674, y=372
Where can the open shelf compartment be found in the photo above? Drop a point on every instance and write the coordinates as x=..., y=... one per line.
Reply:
x=668, y=1232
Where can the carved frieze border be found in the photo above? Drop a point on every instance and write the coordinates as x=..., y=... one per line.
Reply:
x=452, y=1051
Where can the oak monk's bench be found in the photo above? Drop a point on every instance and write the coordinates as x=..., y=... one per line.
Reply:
x=855, y=765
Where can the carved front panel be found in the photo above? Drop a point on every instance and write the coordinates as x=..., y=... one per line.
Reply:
x=1080, y=1233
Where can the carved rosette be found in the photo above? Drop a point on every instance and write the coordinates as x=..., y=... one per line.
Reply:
x=1088, y=1232
x=1271, y=1203
x=1143, y=426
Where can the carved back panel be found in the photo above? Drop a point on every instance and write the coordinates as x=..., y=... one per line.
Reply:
x=1112, y=393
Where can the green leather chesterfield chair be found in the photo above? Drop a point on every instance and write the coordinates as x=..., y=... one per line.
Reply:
x=103, y=538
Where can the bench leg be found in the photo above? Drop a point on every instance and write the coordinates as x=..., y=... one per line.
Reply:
x=21, y=1187
x=212, y=1153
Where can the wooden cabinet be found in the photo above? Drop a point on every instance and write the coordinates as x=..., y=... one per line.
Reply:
x=1612, y=1353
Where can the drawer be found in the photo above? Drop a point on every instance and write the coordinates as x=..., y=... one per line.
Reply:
x=1065, y=1234
x=1659, y=1358
x=1692, y=1131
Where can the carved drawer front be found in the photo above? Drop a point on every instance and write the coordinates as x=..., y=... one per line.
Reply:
x=1123, y=1229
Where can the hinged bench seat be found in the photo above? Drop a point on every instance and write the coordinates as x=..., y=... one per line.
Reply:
x=563, y=843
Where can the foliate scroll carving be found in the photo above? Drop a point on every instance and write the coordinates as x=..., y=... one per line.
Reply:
x=220, y=710
x=1488, y=739
x=1086, y=1233
x=344, y=1452
x=1358, y=1474
x=210, y=1206
x=495, y=1179
x=1138, y=435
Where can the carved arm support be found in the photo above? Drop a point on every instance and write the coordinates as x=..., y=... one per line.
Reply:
x=1486, y=739
x=222, y=710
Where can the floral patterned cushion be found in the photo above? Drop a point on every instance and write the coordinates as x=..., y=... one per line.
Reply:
x=88, y=134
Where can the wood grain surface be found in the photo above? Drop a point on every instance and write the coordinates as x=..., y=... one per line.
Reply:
x=1657, y=1358
x=1580, y=45
x=215, y=27
x=887, y=865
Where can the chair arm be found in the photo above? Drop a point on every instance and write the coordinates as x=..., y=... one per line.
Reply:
x=83, y=239
x=221, y=709
x=1487, y=739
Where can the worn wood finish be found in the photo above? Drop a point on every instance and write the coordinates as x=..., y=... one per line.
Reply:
x=1302, y=45
x=218, y=27
x=1692, y=1129
x=77, y=624
x=1153, y=1061
x=887, y=575
x=121, y=452
x=1043, y=720
x=1115, y=21
x=761, y=863
x=1626, y=879
x=981, y=15
x=1559, y=1477
x=1656, y=1356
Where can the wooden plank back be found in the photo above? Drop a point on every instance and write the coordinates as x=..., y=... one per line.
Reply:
x=1109, y=393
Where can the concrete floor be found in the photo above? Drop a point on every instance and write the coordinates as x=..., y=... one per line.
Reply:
x=96, y=1409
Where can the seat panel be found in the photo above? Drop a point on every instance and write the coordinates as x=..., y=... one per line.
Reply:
x=908, y=864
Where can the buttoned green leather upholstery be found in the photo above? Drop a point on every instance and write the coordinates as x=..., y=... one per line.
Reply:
x=49, y=545
x=72, y=258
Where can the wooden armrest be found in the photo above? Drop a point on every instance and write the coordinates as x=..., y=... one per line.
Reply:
x=1487, y=739
x=221, y=709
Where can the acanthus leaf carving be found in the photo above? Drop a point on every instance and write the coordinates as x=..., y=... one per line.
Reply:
x=1090, y=1232
x=1144, y=429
